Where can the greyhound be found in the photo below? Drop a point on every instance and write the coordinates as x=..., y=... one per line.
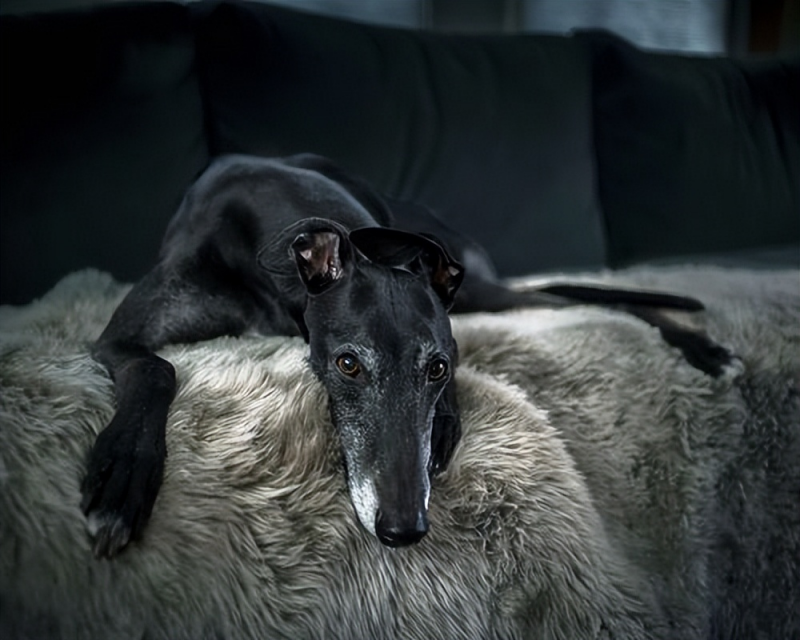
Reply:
x=296, y=246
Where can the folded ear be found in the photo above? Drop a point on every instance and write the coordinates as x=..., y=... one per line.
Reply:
x=411, y=251
x=447, y=274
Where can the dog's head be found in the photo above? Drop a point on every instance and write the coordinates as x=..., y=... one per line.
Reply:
x=381, y=343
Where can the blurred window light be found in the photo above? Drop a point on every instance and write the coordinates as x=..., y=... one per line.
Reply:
x=395, y=13
x=711, y=26
x=678, y=25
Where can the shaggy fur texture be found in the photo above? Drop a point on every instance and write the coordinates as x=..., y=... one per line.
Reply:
x=603, y=488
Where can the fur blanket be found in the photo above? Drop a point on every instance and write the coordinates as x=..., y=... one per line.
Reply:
x=603, y=488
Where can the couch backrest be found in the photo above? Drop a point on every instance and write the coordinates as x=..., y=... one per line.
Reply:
x=493, y=132
x=695, y=154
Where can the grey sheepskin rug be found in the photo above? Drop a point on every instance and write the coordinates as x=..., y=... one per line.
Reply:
x=603, y=487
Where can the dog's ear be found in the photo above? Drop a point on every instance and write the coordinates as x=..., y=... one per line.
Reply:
x=319, y=251
x=446, y=273
x=412, y=252
x=321, y=257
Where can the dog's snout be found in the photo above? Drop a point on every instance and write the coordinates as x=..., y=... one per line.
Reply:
x=395, y=533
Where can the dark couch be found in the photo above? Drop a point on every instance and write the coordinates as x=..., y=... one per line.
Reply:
x=556, y=152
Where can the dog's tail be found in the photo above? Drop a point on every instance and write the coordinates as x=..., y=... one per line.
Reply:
x=486, y=295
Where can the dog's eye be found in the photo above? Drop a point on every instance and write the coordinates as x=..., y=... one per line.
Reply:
x=348, y=364
x=437, y=369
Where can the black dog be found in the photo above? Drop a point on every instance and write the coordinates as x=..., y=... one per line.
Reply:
x=297, y=247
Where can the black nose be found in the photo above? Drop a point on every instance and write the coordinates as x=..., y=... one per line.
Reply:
x=394, y=533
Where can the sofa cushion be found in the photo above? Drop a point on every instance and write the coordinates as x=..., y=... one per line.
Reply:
x=493, y=132
x=695, y=155
x=101, y=131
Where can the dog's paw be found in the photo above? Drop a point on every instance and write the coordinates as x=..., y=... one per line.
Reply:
x=703, y=353
x=120, y=488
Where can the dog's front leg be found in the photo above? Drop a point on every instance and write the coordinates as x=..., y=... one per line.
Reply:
x=127, y=461
x=126, y=464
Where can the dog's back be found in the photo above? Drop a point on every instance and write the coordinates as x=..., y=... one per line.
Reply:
x=240, y=203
